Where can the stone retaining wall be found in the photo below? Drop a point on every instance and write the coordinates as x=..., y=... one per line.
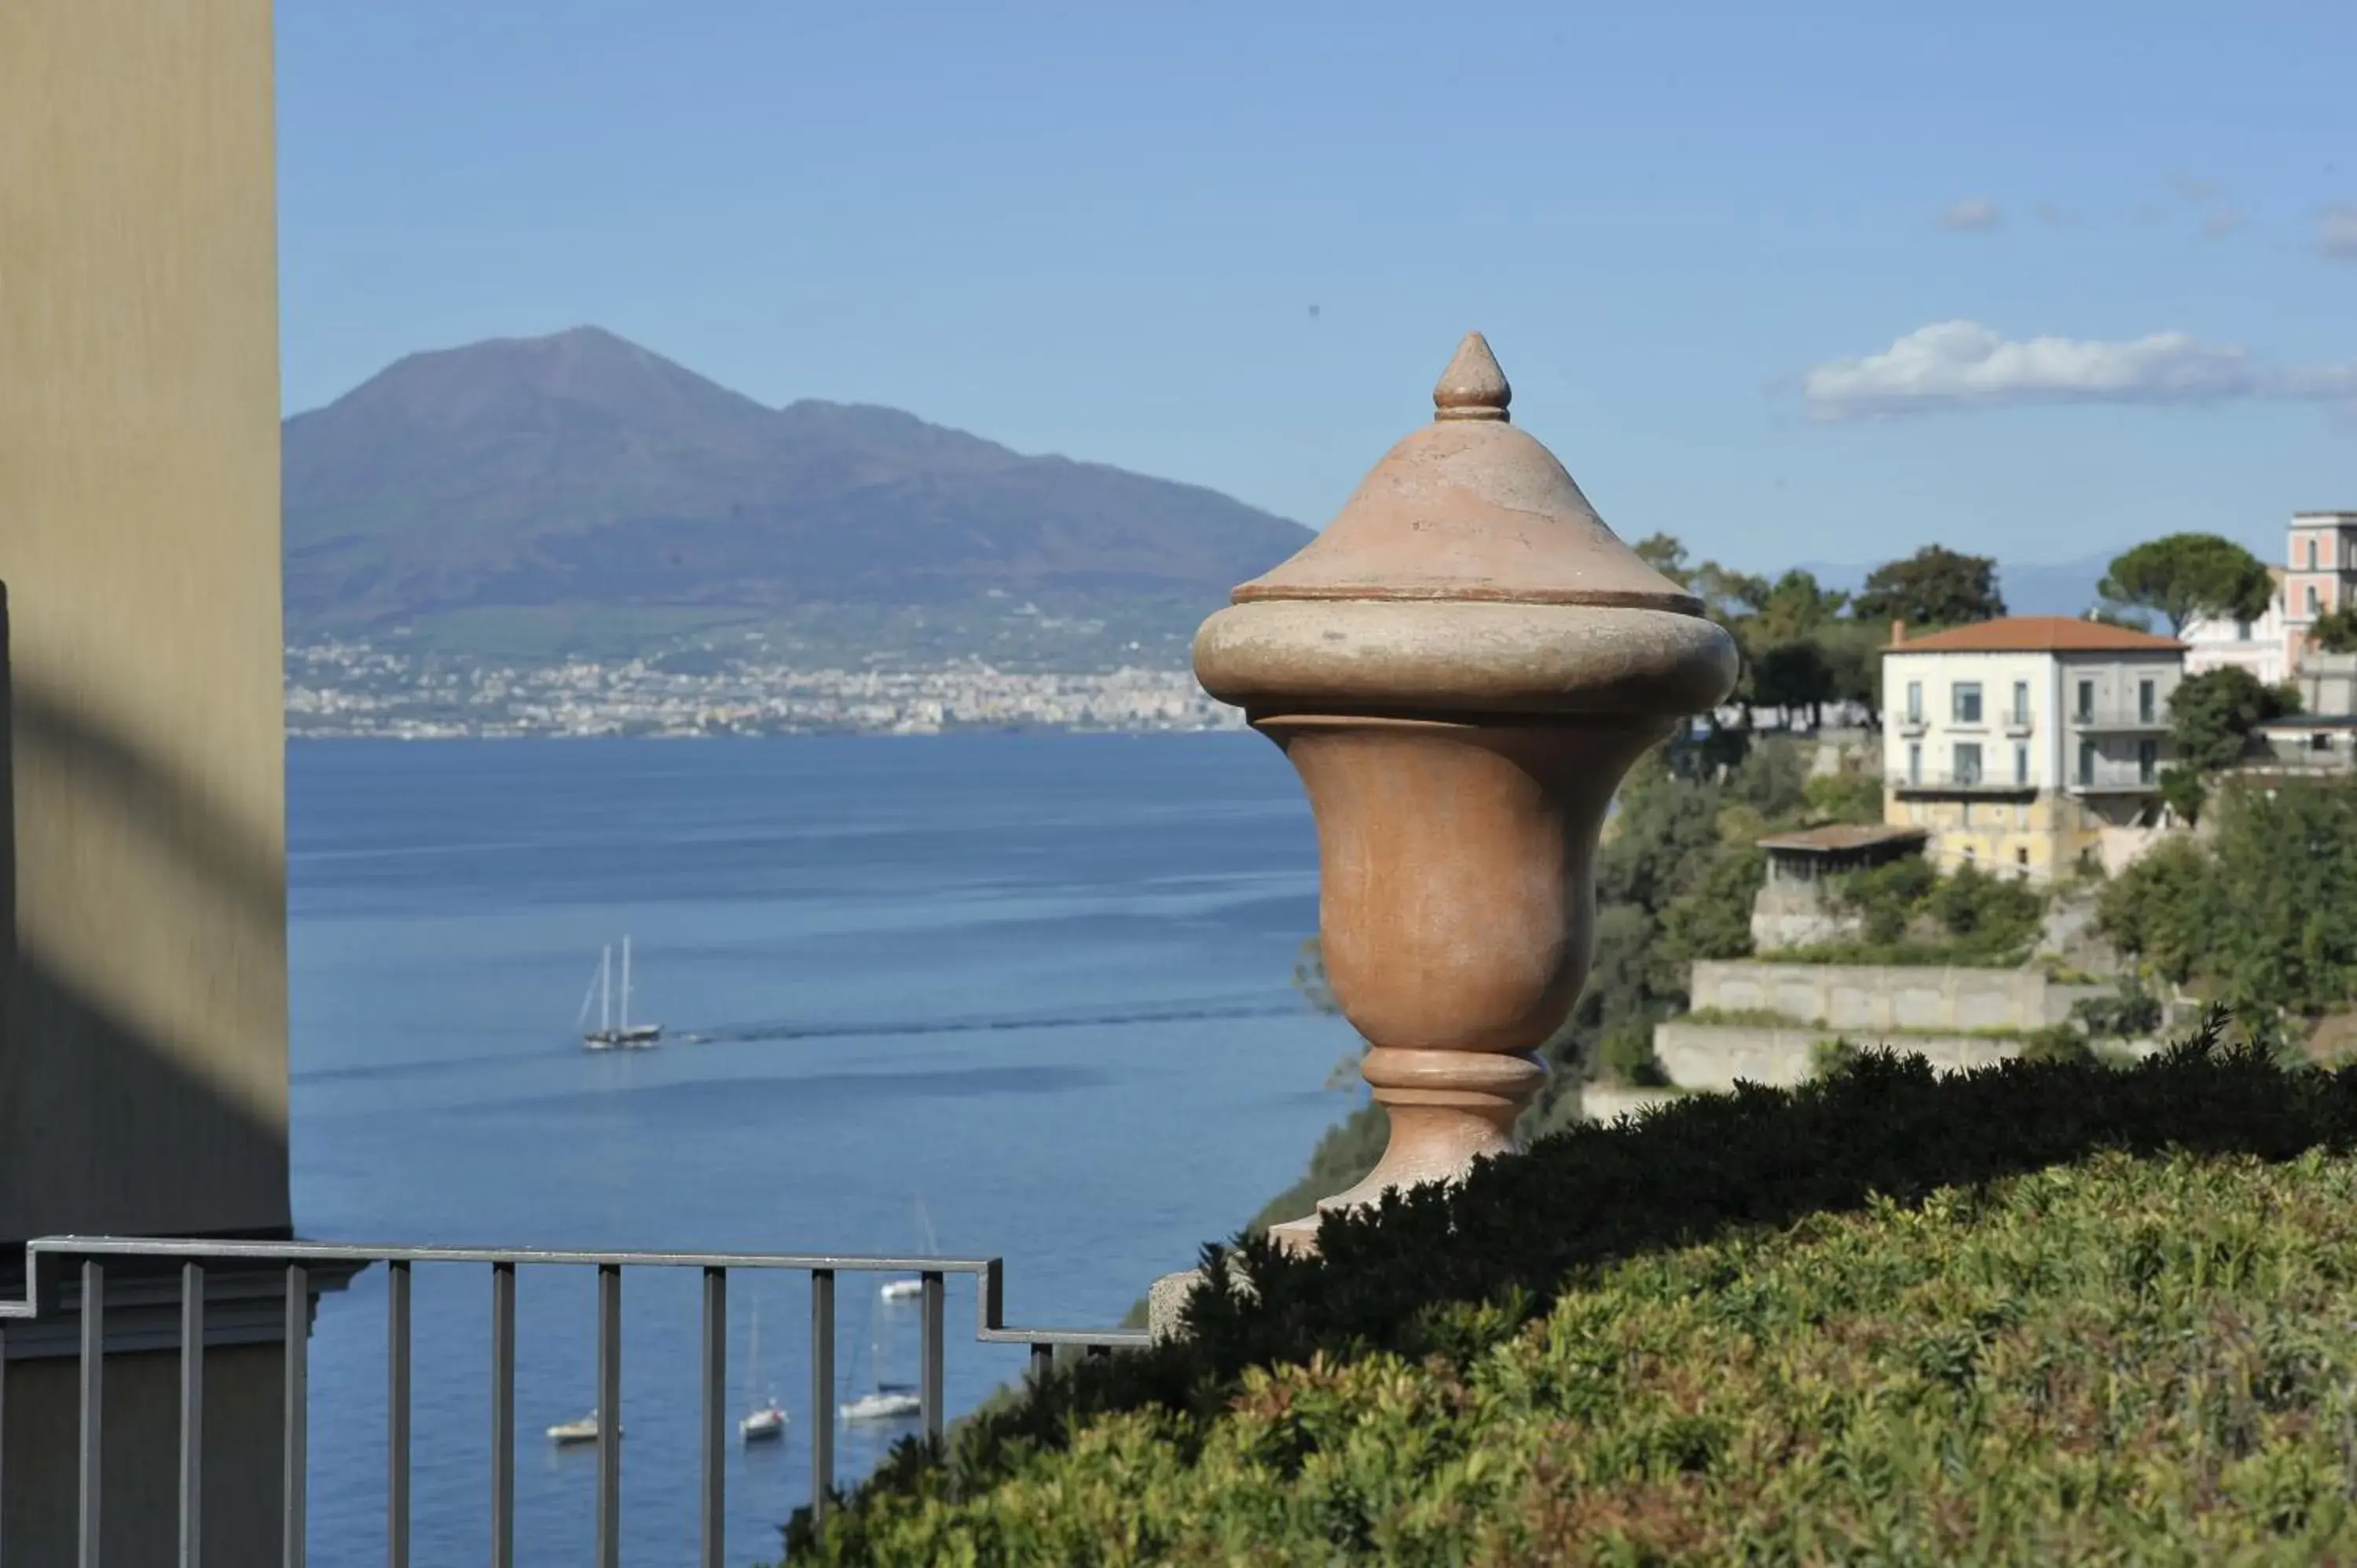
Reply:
x=1867, y=997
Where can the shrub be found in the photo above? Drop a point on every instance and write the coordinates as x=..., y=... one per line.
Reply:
x=2036, y=1313
x=1829, y=1057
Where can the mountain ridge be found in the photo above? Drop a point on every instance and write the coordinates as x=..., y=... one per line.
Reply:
x=524, y=473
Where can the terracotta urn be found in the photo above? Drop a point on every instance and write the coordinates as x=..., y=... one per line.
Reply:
x=1462, y=667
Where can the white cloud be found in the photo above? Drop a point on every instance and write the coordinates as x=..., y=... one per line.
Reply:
x=2220, y=221
x=1970, y=216
x=2336, y=232
x=1962, y=364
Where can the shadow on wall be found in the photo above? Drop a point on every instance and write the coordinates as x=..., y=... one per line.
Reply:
x=136, y=1091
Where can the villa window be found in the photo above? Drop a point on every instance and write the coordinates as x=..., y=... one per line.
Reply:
x=1914, y=702
x=2022, y=855
x=2241, y=632
x=2147, y=760
x=1967, y=763
x=2086, y=764
x=1914, y=765
x=2312, y=566
x=2021, y=702
x=2144, y=702
x=2312, y=606
x=2086, y=700
x=1967, y=709
x=2021, y=765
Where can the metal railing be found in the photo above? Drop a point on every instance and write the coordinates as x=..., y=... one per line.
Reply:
x=44, y=1297
x=2131, y=717
x=1959, y=784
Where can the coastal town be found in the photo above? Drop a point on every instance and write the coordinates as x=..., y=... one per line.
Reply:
x=356, y=689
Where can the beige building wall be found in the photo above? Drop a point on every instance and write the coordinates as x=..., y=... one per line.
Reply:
x=142, y=1031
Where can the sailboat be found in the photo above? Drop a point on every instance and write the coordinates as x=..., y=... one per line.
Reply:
x=571, y=1433
x=614, y=1032
x=910, y=1290
x=885, y=1401
x=765, y=1423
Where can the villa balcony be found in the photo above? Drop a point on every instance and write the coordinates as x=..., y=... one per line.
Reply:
x=1911, y=724
x=2015, y=724
x=2121, y=721
x=2126, y=783
x=1959, y=785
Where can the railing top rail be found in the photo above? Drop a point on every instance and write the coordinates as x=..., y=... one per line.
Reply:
x=987, y=1271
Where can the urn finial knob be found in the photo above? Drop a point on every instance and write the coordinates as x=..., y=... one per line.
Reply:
x=1473, y=386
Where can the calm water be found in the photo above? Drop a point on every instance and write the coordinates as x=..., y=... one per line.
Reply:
x=966, y=972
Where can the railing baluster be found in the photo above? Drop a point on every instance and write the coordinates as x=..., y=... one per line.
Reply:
x=93, y=1403
x=609, y=1415
x=716, y=1414
x=192, y=1415
x=298, y=1412
x=503, y=1284
x=929, y=1392
x=821, y=1389
x=396, y=1414
x=3, y=1430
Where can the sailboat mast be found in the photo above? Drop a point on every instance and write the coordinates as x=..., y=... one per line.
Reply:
x=626, y=982
x=606, y=988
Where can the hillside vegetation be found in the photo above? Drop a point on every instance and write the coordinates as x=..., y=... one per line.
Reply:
x=2037, y=1314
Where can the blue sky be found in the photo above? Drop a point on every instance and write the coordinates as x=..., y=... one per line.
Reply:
x=1706, y=241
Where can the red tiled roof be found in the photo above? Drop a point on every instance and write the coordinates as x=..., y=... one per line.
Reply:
x=2039, y=634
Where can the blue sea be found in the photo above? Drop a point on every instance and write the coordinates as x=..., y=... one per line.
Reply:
x=1032, y=991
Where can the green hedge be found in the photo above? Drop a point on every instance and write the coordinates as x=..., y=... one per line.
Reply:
x=2039, y=1312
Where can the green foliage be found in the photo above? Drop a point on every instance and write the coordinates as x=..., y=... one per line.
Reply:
x=2030, y=1315
x=2211, y=715
x=1986, y=914
x=2335, y=631
x=2266, y=917
x=2161, y=909
x=1934, y=588
x=1852, y=795
x=1829, y=1059
x=2185, y=575
x=1981, y=919
x=2057, y=1043
x=2183, y=791
x=2130, y=1012
x=1714, y=919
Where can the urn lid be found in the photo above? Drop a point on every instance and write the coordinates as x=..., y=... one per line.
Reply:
x=1468, y=576
x=1470, y=507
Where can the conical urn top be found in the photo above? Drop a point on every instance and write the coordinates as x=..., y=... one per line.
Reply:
x=1470, y=507
x=1467, y=576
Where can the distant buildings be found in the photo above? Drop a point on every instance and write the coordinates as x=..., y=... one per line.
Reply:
x=2024, y=744
x=2318, y=574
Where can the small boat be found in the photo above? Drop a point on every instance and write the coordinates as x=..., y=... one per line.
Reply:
x=910, y=1290
x=572, y=1433
x=767, y=1421
x=890, y=1402
x=614, y=1031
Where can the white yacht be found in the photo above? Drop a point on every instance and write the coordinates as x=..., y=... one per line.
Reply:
x=765, y=1423
x=910, y=1290
x=571, y=1433
x=614, y=1031
x=890, y=1402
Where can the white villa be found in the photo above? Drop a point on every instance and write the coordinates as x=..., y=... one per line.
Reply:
x=2025, y=743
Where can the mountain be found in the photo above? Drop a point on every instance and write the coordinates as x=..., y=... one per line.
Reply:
x=525, y=475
